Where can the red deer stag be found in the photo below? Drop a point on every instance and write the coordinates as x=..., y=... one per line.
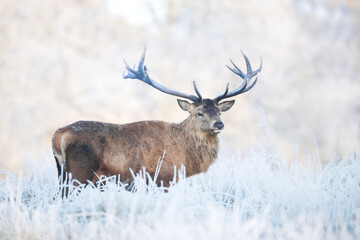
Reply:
x=89, y=149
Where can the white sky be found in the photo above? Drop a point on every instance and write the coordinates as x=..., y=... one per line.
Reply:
x=137, y=12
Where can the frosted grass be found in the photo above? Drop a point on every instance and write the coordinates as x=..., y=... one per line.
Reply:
x=251, y=196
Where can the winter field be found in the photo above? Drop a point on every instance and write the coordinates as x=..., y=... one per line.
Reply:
x=252, y=195
x=62, y=61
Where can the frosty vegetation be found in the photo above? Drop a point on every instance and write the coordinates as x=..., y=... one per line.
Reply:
x=243, y=196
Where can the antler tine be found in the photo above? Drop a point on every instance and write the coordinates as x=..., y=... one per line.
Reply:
x=238, y=72
x=248, y=66
x=141, y=74
x=259, y=69
x=197, y=91
x=251, y=86
x=255, y=73
x=246, y=77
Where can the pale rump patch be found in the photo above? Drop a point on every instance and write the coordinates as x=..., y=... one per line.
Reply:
x=65, y=138
x=56, y=142
x=60, y=140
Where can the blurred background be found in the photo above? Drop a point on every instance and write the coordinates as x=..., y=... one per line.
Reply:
x=62, y=61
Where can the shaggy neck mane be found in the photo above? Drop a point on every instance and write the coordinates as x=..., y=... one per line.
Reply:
x=202, y=147
x=190, y=128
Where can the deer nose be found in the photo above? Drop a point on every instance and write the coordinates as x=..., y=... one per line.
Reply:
x=219, y=125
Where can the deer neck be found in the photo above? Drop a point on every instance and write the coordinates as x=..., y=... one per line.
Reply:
x=189, y=127
x=202, y=147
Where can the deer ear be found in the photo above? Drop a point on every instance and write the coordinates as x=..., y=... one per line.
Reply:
x=184, y=105
x=224, y=106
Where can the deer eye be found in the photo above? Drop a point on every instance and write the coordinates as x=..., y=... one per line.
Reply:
x=219, y=113
x=200, y=114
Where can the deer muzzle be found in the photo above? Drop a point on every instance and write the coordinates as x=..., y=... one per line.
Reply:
x=218, y=125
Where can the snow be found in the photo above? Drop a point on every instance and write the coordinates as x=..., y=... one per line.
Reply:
x=255, y=195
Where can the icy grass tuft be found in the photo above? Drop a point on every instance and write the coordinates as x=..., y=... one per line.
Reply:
x=256, y=196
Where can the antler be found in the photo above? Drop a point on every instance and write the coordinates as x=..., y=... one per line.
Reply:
x=141, y=74
x=247, y=77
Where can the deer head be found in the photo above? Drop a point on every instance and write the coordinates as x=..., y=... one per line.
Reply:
x=204, y=113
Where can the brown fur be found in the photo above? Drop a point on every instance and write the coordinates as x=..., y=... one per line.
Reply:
x=90, y=149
